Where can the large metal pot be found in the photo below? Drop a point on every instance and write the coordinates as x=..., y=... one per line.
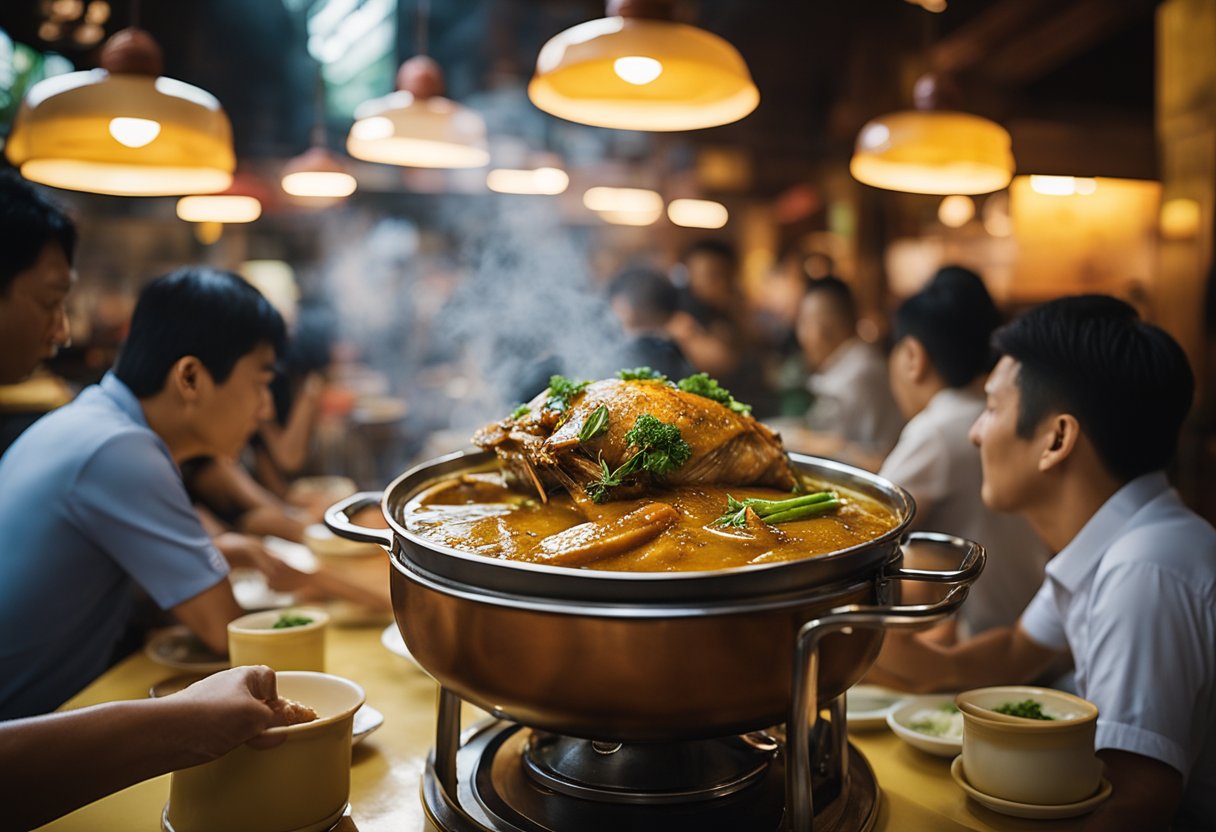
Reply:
x=635, y=657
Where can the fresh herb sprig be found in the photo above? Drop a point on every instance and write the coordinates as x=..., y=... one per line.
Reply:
x=290, y=620
x=520, y=412
x=640, y=374
x=561, y=391
x=658, y=447
x=779, y=511
x=1026, y=709
x=701, y=384
x=596, y=424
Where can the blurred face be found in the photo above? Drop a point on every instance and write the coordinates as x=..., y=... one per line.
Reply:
x=33, y=315
x=819, y=332
x=227, y=414
x=900, y=376
x=711, y=279
x=1010, y=462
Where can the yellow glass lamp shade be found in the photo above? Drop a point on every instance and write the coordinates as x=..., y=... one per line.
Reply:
x=697, y=213
x=122, y=129
x=401, y=129
x=636, y=73
x=933, y=152
x=223, y=208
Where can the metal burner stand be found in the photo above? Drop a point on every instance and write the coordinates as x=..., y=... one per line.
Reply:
x=779, y=795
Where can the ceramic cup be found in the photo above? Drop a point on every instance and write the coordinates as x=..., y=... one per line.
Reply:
x=1040, y=762
x=253, y=639
x=302, y=785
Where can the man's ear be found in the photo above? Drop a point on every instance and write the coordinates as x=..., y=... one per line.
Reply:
x=1058, y=438
x=916, y=359
x=187, y=377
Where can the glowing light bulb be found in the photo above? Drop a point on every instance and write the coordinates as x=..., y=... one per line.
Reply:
x=134, y=132
x=636, y=69
x=955, y=211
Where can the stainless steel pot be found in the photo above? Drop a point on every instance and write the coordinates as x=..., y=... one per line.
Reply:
x=637, y=657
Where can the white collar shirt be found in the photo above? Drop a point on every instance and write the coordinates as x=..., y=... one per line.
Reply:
x=853, y=397
x=936, y=462
x=1133, y=596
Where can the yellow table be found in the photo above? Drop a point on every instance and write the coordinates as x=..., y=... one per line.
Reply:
x=918, y=794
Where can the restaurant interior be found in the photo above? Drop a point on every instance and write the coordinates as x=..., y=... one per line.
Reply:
x=457, y=207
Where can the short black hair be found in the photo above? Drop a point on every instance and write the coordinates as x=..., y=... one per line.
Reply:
x=1126, y=381
x=212, y=315
x=28, y=222
x=646, y=291
x=838, y=294
x=953, y=317
x=714, y=248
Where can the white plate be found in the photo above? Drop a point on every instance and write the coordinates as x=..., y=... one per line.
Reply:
x=901, y=717
x=181, y=649
x=367, y=720
x=392, y=641
x=1034, y=811
x=867, y=706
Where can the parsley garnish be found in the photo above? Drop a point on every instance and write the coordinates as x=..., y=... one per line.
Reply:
x=640, y=374
x=520, y=412
x=659, y=450
x=561, y=391
x=1026, y=709
x=701, y=384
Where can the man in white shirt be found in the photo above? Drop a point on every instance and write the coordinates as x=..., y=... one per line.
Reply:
x=1083, y=413
x=937, y=371
x=853, y=413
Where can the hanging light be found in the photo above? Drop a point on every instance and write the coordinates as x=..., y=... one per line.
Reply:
x=697, y=213
x=123, y=129
x=636, y=69
x=240, y=202
x=318, y=174
x=933, y=151
x=624, y=206
x=547, y=181
x=416, y=126
x=956, y=210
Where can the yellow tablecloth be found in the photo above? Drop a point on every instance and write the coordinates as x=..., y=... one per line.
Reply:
x=918, y=794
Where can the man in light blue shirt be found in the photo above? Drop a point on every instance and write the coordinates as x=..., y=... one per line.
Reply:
x=1083, y=412
x=91, y=499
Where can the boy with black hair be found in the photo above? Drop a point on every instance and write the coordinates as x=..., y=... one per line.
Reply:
x=936, y=370
x=93, y=499
x=1082, y=415
x=37, y=244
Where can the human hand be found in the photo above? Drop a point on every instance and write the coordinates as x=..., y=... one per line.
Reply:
x=243, y=550
x=216, y=714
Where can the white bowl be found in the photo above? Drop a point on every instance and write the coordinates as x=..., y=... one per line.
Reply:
x=902, y=717
x=867, y=706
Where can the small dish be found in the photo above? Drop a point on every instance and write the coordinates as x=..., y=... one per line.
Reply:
x=395, y=644
x=902, y=717
x=367, y=720
x=180, y=649
x=1032, y=811
x=867, y=706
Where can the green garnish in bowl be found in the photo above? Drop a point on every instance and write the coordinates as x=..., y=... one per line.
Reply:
x=1026, y=709
x=288, y=620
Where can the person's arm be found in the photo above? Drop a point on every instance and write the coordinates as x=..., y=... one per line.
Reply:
x=93, y=752
x=288, y=445
x=207, y=615
x=1145, y=794
x=1003, y=655
x=226, y=487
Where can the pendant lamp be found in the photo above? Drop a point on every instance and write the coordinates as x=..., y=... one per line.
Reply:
x=317, y=174
x=416, y=126
x=930, y=150
x=637, y=69
x=123, y=129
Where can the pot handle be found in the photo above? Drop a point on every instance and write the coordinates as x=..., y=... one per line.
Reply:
x=337, y=518
x=969, y=568
x=804, y=714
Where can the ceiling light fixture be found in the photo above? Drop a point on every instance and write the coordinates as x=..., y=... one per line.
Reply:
x=956, y=210
x=933, y=151
x=697, y=213
x=123, y=129
x=546, y=181
x=637, y=69
x=416, y=126
x=318, y=173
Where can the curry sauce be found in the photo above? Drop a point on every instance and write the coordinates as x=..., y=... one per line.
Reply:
x=479, y=513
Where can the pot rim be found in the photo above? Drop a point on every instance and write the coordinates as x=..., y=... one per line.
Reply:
x=903, y=504
x=290, y=731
